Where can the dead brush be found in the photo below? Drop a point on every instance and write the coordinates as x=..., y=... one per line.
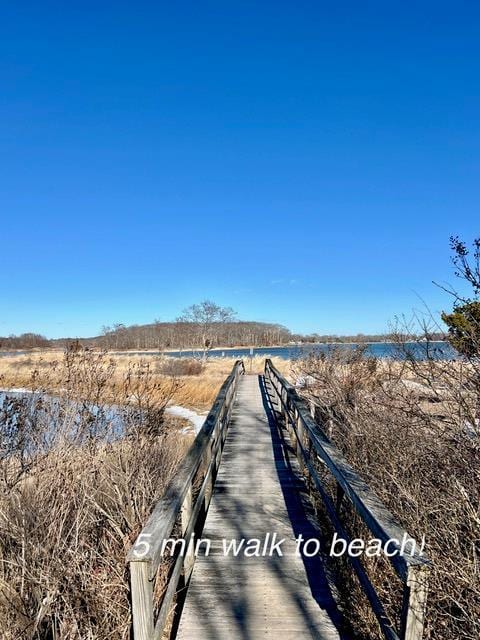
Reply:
x=417, y=453
x=77, y=482
x=180, y=367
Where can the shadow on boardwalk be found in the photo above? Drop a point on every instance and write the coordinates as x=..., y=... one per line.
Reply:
x=258, y=491
x=299, y=508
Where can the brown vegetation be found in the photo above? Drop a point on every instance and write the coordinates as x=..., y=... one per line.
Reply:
x=409, y=429
x=24, y=341
x=189, y=335
x=192, y=383
x=73, y=497
x=77, y=482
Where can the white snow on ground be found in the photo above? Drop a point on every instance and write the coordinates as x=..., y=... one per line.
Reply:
x=304, y=381
x=19, y=390
x=196, y=419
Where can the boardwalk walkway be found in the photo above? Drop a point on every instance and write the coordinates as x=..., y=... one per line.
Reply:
x=258, y=491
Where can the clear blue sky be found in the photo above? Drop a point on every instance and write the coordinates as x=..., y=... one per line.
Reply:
x=302, y=162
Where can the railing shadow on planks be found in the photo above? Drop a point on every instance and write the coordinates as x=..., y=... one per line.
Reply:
x=314, y=448
x=185, y=502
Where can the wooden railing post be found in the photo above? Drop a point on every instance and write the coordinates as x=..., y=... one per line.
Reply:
x=415, y=602
x=142, y=600
x=209, y=488
x=283, y=398
x=186, y=514
x=300, y=441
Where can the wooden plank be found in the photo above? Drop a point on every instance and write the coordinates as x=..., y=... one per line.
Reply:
x=415, y=604
x=256, y=492
x=187, y=509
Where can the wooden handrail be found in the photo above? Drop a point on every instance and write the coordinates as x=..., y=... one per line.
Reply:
x=313, y=445
x=200, y=466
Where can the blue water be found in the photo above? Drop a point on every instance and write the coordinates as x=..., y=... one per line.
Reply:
x=9, y=354
x=437, y=350
x=50, y=416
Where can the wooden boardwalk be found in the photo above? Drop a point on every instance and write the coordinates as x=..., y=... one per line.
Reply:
x=258, y=491
x=244, y=453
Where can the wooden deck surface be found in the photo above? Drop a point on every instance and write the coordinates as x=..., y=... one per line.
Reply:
x=258, y=491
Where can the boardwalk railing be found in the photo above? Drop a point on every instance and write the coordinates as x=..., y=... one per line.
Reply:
x=314, y=448
x=185, y=501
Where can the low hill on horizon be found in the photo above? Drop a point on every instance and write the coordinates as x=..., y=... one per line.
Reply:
x=188, y=335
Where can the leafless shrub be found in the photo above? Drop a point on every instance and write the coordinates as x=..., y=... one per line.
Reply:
x=405, y=426
x=78, y=479
x=180, y=367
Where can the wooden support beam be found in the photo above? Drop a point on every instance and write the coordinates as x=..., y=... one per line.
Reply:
x=415, y=602
x=142, y=600
x=189, y=557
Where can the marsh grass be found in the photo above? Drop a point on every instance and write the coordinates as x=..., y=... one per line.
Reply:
x=75, y=491
x=84, y=456
x=196, y=383
x=408, y=429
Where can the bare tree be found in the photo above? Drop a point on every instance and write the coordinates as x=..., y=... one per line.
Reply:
x=206, y=316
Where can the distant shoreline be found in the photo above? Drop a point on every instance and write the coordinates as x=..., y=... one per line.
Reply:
x=236, y=348
x=280, y=346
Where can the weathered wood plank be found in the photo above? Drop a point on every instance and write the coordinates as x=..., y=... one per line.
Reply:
x=256, y=492
x=142, y=605
x=415, y=604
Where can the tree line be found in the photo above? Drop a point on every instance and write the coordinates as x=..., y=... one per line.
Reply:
x=178, y=336
x=191, y=335
x=24, y=341
x=203, y=326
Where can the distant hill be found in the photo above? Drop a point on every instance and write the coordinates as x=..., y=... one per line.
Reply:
x=188, y=335
x=181, y=335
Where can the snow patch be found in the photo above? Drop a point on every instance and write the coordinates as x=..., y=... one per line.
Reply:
x=196, y=419
x=304, y=381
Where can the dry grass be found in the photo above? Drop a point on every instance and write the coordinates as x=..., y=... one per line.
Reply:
x=200, y=391
x=414, y=445
x=65, y=529
x=75, y=490
x=196, y=383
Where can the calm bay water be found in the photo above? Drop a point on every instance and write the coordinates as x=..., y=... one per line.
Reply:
x=438, y=350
